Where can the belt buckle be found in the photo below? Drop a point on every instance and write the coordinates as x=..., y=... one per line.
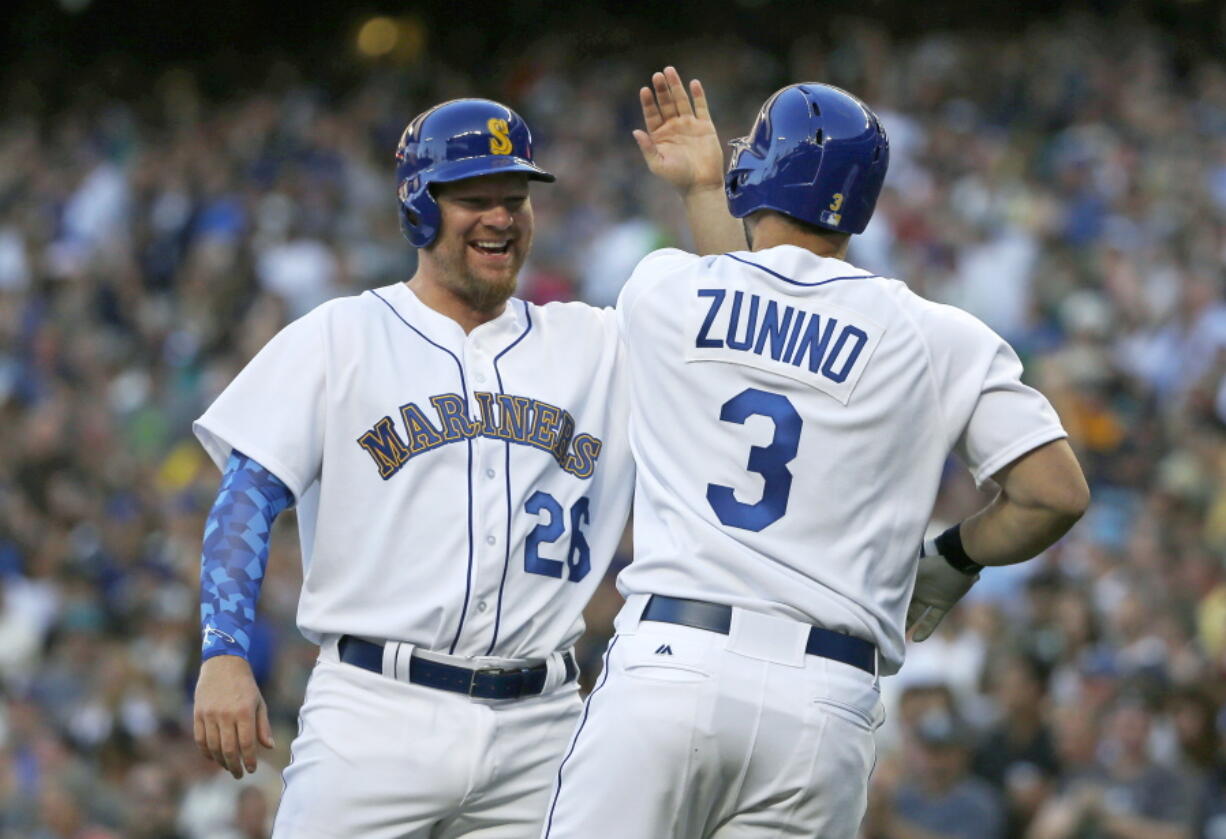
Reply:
x=476, y=671
x=486, y=671
x=523, y=673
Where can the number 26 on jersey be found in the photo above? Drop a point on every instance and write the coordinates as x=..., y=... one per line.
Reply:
x=578, y=554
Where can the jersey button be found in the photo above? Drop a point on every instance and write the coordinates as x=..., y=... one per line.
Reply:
x=481, y=606
x=489, y=473
x=489, y=540
x=480, y=378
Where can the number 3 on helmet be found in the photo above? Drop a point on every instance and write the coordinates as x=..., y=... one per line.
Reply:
x=816, y=153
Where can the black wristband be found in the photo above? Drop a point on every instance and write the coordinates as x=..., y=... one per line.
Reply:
x=949, y=545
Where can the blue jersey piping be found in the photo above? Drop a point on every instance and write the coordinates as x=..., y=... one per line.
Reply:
x=506, y=562
x=779, y=276
x=468, y=580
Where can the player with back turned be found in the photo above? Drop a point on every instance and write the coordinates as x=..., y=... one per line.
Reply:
x=790, y=417
x=459, y=462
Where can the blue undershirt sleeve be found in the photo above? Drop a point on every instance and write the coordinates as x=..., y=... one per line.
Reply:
x=236, y=553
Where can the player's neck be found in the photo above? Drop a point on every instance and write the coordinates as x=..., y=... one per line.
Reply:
x=772, y=229
x=446, y=302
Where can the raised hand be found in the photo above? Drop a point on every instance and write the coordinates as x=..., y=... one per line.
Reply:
x=679, y=144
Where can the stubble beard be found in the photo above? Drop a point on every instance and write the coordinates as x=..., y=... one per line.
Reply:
x=480, y=294
x=487, y=295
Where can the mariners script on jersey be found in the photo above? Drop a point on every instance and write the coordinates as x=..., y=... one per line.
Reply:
x=430, y=438
x=800, y=477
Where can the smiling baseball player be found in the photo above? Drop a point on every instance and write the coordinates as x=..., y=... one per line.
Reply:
x=461, y=470
x=790, y=416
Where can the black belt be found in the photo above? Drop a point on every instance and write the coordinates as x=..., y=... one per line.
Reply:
x=718, y=618
x=478, y=682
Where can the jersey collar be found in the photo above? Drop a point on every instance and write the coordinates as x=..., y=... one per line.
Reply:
x=439, y=327
x=799, y=266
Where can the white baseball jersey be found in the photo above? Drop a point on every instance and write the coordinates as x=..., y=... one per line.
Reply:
x=790, y=417
x=463, y=493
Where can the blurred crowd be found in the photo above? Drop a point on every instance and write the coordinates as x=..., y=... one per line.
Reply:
x=1067, y=184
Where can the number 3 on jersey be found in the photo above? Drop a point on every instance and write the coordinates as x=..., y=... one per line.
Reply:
x=578, y=555
x=768, y=461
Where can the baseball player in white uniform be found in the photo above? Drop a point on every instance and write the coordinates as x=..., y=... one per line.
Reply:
x=790, y=416
x=461, y=470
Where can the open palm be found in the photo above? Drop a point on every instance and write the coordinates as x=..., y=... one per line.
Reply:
x=679, y=144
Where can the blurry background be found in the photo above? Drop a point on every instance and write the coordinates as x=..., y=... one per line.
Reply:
x=177, y=181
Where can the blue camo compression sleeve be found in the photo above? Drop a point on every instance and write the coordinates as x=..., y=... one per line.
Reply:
x=236, y=552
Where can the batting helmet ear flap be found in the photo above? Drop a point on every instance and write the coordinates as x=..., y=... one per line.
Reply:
x=420, y=216
x=463, y=138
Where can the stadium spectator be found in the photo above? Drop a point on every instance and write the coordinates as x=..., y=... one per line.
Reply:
x=1127, y=795
x=1017, y=754
x=937, y=798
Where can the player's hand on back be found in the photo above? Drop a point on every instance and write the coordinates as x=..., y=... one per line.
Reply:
x=938, y=586
x=230, y=716
x=679, y=144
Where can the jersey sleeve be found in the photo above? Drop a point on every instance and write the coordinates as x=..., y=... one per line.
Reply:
x=1008, y=418
x=649, y=271
x=274, y=409
x=235, y=554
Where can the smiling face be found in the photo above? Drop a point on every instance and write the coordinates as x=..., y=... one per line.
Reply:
x=483, y=240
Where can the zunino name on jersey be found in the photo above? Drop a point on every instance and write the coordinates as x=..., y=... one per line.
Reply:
x=504, y=416
x=827, y=349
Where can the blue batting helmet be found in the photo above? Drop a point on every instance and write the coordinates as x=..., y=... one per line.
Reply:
x=463, y=138
x=816, y=153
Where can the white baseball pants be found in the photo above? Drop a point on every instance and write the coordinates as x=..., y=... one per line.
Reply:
x=691, y=734
x=377, y=758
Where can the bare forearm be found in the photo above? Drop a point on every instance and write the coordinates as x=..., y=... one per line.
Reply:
x=681, y=146
x=714, y=228
x=1042, y=495
x=1006, y=532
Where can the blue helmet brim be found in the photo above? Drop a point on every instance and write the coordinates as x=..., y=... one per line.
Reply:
x=475, y=167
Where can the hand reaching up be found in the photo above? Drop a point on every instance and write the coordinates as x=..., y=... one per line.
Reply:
x=679, y=144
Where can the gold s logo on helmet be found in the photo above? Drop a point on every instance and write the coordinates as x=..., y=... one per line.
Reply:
x=500, y=142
